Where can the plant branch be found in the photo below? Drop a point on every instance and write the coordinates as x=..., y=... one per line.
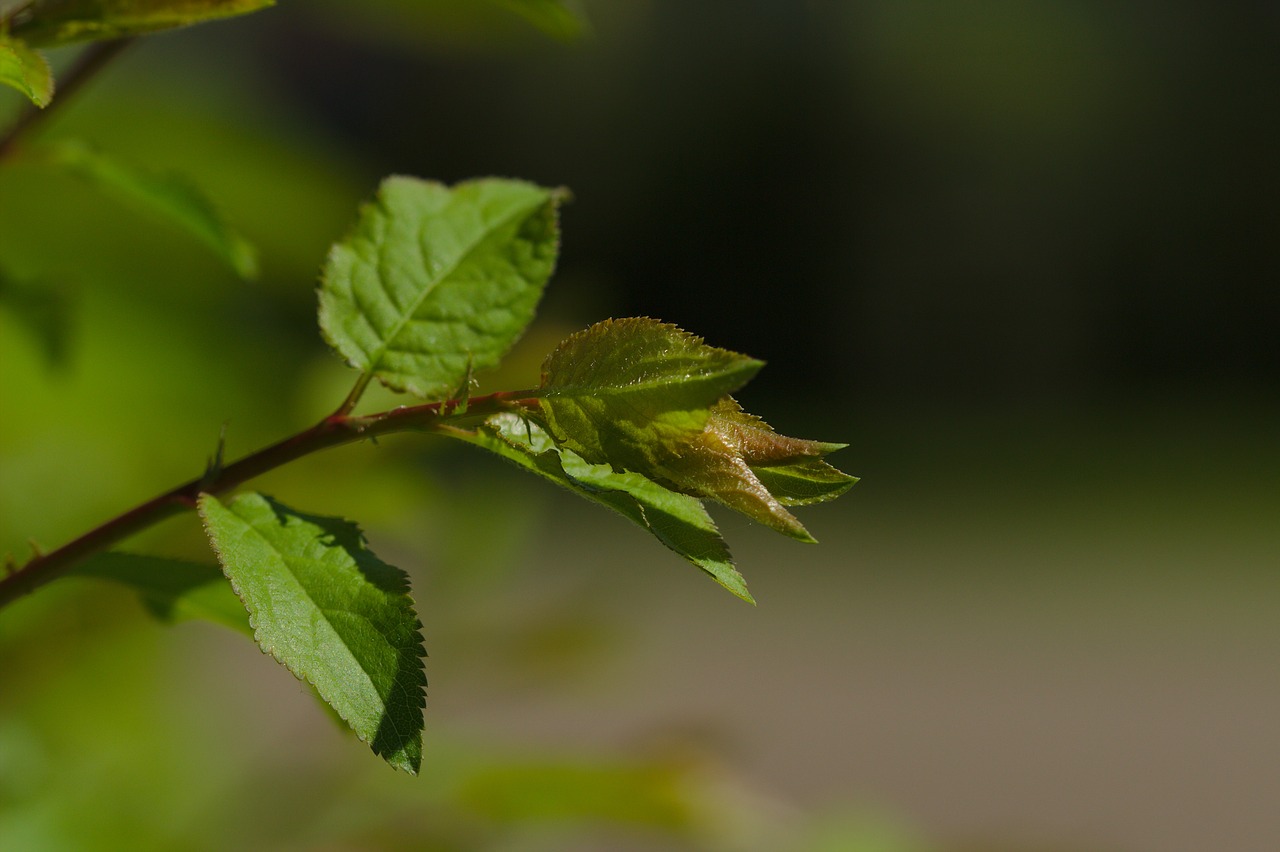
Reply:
x=332, y=431
x=91, y=61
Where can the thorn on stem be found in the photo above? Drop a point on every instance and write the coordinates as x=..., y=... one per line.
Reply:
x=213, y=465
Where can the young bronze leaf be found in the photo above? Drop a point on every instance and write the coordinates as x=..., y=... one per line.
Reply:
x=677, y=520
x=631, y=392
x=50, y=23
x=738, y=456
x=648, y=398
x=435, y=281
x=25, y=70
x=331, y=611
x=709, y=467
x=791, y=469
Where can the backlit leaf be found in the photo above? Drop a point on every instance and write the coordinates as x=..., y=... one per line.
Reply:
x=435, y=281
x=171, y=196
x=680, y=522
x=25, y=70
x=49, y=23
x=326, y=607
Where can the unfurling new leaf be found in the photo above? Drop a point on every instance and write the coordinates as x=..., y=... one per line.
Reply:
x=725, y=463
x=636, y=414
x=326, y=607
x=435, y=281
x=646, y=397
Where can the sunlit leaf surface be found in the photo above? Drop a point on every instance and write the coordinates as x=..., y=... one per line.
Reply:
x=326, y=607
x=435, y=281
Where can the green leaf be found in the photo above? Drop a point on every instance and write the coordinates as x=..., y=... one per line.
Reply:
x=49, y=23
x=680, y=522
x=171, y=196
x=553, y=17
x=434, y=281
x=172, y=589
x=25, y=70
x=45, y=311
x=327, y=608
x=803, y=482
x=631, y=392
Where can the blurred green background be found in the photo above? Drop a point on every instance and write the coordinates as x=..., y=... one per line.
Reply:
x=1023, y=257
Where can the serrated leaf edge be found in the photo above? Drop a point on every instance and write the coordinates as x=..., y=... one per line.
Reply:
x=263, y=646
x=556, y=196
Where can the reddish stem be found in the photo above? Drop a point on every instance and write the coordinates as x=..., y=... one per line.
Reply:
x=334, y=430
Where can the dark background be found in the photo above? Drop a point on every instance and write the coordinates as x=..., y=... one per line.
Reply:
x=974, y=202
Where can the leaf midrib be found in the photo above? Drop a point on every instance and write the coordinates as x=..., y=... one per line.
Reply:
x=375, y=362
x=284, y=559
x=746, y=370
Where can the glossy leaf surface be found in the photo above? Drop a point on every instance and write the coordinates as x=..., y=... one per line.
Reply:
x=49, y=23
x=725, y=462
x=435, y=281
x=326, y=607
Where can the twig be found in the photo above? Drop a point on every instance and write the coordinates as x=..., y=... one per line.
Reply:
x=333, y=431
